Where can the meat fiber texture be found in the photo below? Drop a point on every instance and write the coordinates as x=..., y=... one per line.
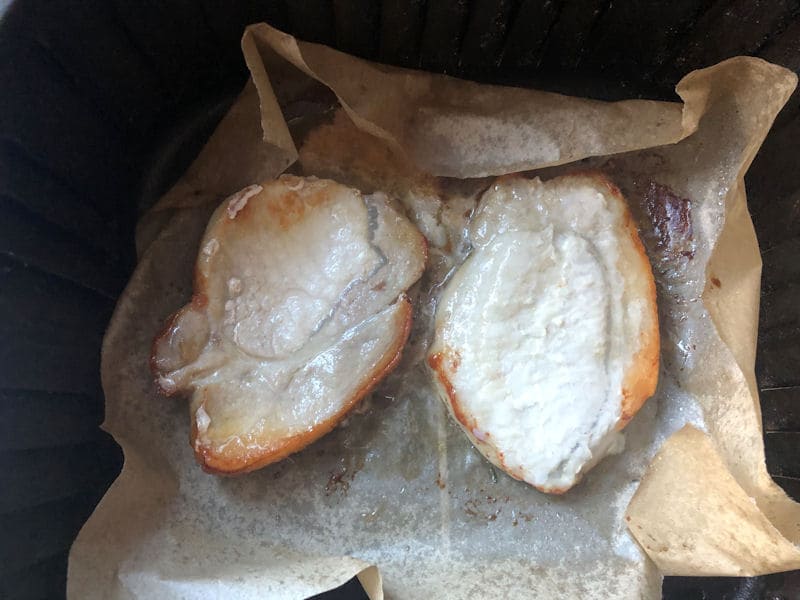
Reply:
x=398, y=495
x=298, y=311
x=546, y=338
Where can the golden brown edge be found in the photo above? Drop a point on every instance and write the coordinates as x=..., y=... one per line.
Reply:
x=244, y=463
x=448, y=395
x=640, y=379
x=238, y=463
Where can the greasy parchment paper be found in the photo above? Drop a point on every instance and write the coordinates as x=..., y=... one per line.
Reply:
x=397, y=495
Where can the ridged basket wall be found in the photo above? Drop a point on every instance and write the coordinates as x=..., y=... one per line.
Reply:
x=103, y=103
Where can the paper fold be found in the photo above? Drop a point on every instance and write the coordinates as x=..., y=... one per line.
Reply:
x=398, y=497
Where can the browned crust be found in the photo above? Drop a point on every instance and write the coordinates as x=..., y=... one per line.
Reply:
x=285, y=210
x=439, y=363
x=442, y=364
x=640, y=379
x=238, y=462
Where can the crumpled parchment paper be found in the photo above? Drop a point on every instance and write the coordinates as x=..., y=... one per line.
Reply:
x=397, y=495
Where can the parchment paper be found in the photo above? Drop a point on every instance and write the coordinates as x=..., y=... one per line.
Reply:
x=397, y=495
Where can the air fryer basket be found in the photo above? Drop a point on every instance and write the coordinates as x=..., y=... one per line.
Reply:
x=104, y=102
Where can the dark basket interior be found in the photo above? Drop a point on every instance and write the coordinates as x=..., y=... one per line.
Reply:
x=104, y=102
